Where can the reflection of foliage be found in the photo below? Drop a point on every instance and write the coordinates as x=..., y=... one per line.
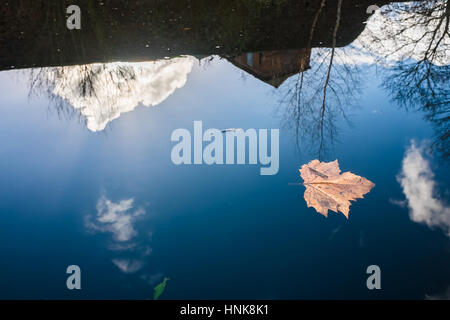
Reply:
x=425, y=87
x=418, y=39
x=318, y=97
x=421, y=84
x=138, y=30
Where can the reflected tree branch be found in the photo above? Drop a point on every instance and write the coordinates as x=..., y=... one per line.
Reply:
x=84, y=81
x=316, y=99
x=416, y=37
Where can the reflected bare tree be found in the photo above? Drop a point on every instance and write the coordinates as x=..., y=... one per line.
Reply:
x=85, y=82
x=102, y=92
x=416, y=37
x=313, y=102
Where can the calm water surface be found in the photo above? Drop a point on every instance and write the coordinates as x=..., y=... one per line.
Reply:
x=86, y=178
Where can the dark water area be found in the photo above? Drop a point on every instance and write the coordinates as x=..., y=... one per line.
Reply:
x=89, y=177
x=36, y=31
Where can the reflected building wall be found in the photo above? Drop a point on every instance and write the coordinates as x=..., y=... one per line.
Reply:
x=273, y=67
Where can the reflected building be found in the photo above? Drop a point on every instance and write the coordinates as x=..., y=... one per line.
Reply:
x=275, y=66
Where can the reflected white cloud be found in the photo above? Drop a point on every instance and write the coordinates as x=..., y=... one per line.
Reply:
x=151, y=279
x=117, y=218
x=399, y=203
x=419, y=187
x=128, y=265
x=102, y=92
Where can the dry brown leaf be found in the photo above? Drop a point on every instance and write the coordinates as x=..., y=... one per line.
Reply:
x=328, y=189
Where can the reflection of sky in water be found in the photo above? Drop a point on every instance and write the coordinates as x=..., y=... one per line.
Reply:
x=80, y=188
x=96, y=187
x=113, y=202
x=419, y=186
x=102, y=92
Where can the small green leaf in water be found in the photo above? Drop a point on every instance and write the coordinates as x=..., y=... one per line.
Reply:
x=159, y=289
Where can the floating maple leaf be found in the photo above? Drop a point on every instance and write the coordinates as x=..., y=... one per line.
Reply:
x=328, y=189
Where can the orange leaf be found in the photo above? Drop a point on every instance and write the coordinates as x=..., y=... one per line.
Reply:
x=328, y=189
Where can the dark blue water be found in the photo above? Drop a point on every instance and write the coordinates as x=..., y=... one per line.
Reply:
x=215, y=231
